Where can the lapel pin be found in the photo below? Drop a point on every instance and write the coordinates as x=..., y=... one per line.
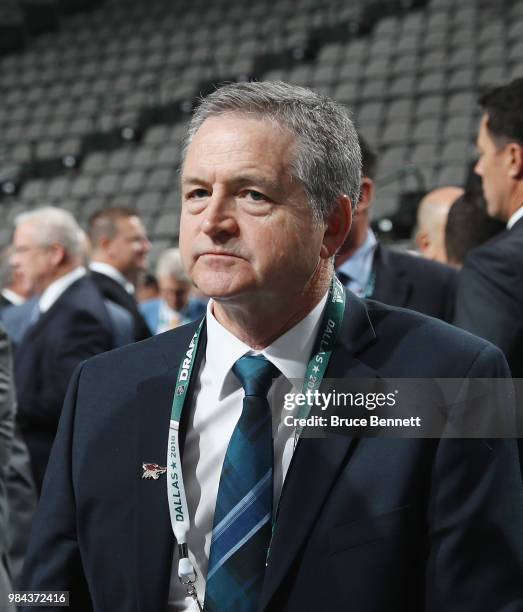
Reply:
x=152, y=470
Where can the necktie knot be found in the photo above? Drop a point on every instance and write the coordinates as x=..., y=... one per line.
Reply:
x=255, y=374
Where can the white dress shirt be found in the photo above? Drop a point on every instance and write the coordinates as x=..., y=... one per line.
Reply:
x=112, y=272
x=12, y=297
x=55, y=289
x=217, y=408
x=515, y=217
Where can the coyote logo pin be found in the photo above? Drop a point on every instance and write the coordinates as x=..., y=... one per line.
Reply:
x=152, y=470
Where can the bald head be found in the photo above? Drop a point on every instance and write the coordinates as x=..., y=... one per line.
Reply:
x=432, y=218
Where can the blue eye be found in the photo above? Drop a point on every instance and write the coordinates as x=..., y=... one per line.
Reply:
x=198, y=193
x=256, y=196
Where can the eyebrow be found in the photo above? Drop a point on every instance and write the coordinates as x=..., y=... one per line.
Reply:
x=238, y=181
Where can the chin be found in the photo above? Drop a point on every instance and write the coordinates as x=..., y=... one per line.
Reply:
x=219, y=293
x=221, y=289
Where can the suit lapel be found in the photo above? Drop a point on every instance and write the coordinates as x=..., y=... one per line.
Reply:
x=153, y=532
x=391, y=286
x=17, y=319
x=34, y=329
x=317, y=463
x=518, y=226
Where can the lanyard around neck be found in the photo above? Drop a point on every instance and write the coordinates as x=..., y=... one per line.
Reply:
x=315, y=372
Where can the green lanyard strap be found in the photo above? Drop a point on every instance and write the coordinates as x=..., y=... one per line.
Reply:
x=321, y=354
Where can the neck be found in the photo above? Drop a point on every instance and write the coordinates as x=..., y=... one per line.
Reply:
x=355, y=240
x=516, y=201
x=131, y=277
x=59, y=273
x=258, y=323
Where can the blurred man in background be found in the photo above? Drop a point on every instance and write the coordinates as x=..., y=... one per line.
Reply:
x=147, y=287
x=489, y=299
x=119, y=246
x=170, y=309
x=69, y=323
x=371, y=269
x=432, y=218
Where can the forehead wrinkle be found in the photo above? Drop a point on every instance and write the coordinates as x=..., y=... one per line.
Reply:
x=220, y=142
x=245, y=173
x=223, y=130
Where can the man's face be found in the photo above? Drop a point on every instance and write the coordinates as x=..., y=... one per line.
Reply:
x=174, y=291
x=247, y=230
x=129, y=247
x=33, y=262
x=491, y=167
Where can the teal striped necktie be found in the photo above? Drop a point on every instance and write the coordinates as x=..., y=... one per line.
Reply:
x=242, y=518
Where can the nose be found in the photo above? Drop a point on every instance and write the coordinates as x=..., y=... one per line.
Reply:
x=13, y=260
x=219, y=216
x=477, y=167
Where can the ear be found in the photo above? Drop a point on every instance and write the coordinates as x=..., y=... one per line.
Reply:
x=104, y=243
x=423, y=242
x=58, y=254
x=337, y=226
x=366, y=195
x=515, y=160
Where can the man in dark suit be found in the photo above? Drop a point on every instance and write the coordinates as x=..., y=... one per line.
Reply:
x=400, y=525
x=119, y=253
x=489, y=299
x=69, y=323
x=371, y=269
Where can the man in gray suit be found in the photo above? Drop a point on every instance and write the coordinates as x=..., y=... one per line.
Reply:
x=6, y=436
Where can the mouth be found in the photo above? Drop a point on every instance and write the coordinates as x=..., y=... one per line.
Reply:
x=219, y=254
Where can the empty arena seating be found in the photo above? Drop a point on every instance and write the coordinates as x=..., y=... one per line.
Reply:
x=93, y=114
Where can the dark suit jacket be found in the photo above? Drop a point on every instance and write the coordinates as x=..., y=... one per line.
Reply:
x=7, y=414
x=489, y=299
x=113, y=291
x=16, y=319
x=22, y=499
x=76, y=326
x=370, y=525
x=413, y=282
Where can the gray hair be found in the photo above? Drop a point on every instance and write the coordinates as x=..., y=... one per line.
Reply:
x=328, y=157
x=170, y=264
x=55, y=225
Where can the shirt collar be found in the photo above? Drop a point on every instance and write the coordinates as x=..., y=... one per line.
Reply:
x=290, y=352
x=56, y=288
x=13, y=297
x=359, y=265
x=515, y=218
x=104, y=268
